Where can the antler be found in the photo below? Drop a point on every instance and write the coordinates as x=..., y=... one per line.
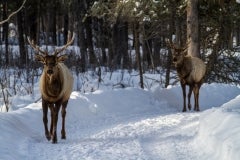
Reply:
x=173, y=46
x=170, y=44
x=37, y=48
x=186, y=45
x=65, y=46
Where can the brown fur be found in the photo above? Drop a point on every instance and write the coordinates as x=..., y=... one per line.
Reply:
x=191, y=71
x=59, y=86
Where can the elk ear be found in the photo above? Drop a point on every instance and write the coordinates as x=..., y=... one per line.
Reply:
x=62, y=58
x=40, y=58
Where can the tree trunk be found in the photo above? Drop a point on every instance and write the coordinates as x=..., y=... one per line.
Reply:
x=5, y=32
x=120, y=44
x=111, y=51
x=238, y=35
x=89, y=36
x=65, y=25
x=193, y=28
x=123, y=36
x=102, y=41
x=116, y=61
x=83, y=48
x=53, y=16
x=80, y=11
x=32, y=22
x=169, y=56
x=156, y=51
x=22, y=49
x=137, y=50
x=146, y=47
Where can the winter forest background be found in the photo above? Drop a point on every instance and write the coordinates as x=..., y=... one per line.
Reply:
x=127, y=36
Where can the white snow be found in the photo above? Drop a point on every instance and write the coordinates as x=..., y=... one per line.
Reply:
x=129, y=124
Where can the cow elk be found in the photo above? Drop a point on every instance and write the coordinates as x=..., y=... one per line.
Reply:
x=191, y=71
x=56, y=84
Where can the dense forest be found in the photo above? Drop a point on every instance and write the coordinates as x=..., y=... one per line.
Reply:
x=124, y=34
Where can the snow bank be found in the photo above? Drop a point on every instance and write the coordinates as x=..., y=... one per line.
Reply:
x=17, y=129
x=104, y=108
x=219, y=132
x=211, y=95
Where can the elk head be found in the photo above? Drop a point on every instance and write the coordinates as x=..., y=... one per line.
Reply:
x=50, y=61
x=178, y=53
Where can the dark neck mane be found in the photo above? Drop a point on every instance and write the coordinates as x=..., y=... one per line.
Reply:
x=53, y=87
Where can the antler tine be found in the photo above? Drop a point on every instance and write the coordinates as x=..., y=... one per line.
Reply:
x=65, y=46
x=35, y=47
x=170, y=44
x=186, y=45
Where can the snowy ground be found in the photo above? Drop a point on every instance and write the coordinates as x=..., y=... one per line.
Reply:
x=129, y=124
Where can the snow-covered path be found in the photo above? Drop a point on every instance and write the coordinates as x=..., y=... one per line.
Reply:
x=155, y=137
x=129, y=124
x=161, y=137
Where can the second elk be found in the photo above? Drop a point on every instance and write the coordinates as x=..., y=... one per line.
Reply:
x=191, y=71
x=56, y=85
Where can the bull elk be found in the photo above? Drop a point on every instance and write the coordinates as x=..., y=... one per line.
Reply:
x=191, y=71
x=56, y=84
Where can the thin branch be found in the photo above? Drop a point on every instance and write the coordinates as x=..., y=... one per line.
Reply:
x=12, y=14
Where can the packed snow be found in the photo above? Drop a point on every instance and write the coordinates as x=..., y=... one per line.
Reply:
x=128, y=124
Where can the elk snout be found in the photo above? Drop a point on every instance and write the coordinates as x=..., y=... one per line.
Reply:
x=49, y=71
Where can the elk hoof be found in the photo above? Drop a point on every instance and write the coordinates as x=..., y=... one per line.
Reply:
x=197, y=109
x=189, y=107
x=63, y=133
x=184, y=110
x=48, y=136
x=54, y=140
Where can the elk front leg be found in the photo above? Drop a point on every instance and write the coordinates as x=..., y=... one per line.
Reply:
x=51, y=106
x=183, y=85
x=196, y=97
x=64, y=106
x=55, y=120
x=189, y=96
x=45, y=119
